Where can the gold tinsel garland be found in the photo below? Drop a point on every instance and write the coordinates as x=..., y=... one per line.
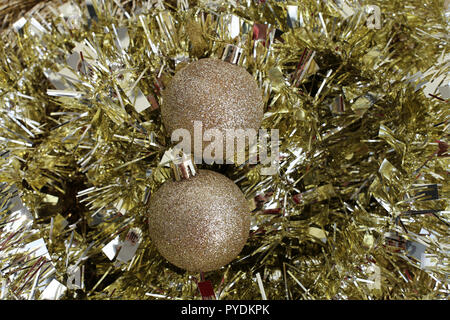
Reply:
x=358, y=210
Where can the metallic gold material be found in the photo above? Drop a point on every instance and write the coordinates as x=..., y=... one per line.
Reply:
x=201, y=223
x=363, y=148
x=219, y=94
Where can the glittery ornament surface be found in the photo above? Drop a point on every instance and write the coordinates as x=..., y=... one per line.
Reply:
x=219, y=94
x=201, y=223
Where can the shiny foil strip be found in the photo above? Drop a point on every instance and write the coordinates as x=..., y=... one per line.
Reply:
x=358, y=208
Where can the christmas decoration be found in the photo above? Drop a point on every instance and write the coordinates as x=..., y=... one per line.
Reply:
x=217, y=94
x=199, y=222
x=358, y=90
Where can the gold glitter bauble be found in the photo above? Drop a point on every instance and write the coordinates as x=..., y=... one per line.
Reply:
x=219, y=94
x=200, y=223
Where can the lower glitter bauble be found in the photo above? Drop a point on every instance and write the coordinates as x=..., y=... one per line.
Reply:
x=199, y=224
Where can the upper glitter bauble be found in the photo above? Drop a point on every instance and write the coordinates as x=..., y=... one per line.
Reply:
x=201, y=223
x=219, y=94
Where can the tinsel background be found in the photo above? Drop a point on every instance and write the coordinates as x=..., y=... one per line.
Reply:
x=358, y=210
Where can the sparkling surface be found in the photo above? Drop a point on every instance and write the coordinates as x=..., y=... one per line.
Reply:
x=199, y=224
x=220, y=94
